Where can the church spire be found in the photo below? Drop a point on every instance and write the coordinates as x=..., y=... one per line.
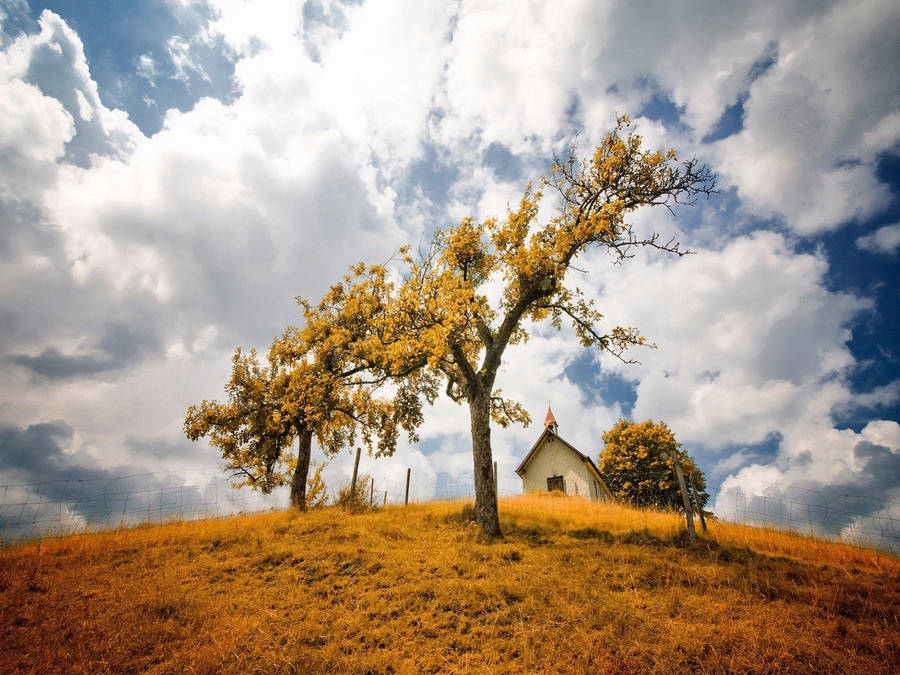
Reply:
x=550, y=420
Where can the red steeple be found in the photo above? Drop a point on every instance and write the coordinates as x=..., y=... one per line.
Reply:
x=550, y=420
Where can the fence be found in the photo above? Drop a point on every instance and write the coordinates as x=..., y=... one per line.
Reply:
x=64, y=506
x=830, y=514
x=29, y=511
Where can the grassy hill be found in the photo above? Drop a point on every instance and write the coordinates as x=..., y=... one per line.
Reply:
x=573, y=587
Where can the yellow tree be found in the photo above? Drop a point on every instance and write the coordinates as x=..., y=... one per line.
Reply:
x=317, y=383
x=638, y=465
x=443, y=318
x=248, y=428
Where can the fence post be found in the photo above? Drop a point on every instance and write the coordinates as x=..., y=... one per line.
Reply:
x=688, y=511
x=496, y=491
x=372, y=492
x=384, y=503
x=353, y=480
x=406, y=498
x=697, y=502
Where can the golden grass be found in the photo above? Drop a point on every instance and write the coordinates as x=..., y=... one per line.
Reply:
x=573, y=587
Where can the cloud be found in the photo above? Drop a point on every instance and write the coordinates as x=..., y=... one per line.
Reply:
x=137, y=272
x=883, y=240
x=32, y=449
x=34, y=134
x=807, y=149
x=37, y=459
x=54, y=61
x=121, y=346
x=146, y=68
x=51, y=488
x=748, y=337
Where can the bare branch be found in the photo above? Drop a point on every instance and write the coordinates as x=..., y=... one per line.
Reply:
x=606, y=342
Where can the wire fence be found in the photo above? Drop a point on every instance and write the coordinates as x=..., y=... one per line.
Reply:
x=829, y=514
x=66, y=506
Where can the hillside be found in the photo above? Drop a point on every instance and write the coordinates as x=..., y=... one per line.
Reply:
x=573, y=587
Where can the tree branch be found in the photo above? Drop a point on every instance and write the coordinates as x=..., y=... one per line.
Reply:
x=484, y=332
x=465, y=368
x=603, y=340
x=446, y=368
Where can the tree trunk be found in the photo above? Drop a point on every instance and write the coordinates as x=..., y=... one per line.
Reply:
x=486, y=514
x=301, y=473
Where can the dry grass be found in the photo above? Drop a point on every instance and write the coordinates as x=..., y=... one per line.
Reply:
x=573, y=587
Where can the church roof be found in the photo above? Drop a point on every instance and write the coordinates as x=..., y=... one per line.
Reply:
x=549, y=419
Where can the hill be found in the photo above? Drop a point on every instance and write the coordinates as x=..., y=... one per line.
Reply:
x=573, y=587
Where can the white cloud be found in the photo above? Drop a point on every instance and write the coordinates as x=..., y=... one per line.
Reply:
x=179, y=50
x=828, y=481
x=752, y=351
x=35, y=131
x=748, y=338
x=378, y=89
x=146, y=68
x=515, y=70
x=883, y=240
x=247, y=29
x=813, y=124
x=200, y=236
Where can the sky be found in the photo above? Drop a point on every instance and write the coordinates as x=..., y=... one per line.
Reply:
x=173, y=173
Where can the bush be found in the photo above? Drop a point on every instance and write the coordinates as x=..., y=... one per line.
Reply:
x=638, y=465
x=357, y=500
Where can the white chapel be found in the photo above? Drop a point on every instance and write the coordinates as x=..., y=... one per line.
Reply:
x=553, y=464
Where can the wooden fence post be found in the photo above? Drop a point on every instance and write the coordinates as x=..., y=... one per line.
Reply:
x=406, y=498
x=688, y=511
x=384, y=503
x=697, y=502
x=353, y=480
x=372, y=492
x=496, y=491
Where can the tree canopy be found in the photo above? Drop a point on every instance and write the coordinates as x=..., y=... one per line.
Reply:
x=319, y=381
x=249, y=428
x=638, y=465
x=441, y=318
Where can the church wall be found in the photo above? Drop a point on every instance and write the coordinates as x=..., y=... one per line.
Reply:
x=553, y=458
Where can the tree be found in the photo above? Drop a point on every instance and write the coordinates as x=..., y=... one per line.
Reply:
x=317, y=382
x=249, y=429
x=638, y=465
x=443, y=320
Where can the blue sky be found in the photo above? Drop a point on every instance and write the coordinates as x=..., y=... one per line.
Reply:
x=173, y=173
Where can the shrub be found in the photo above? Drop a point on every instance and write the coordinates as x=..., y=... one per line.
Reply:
x=357, y=500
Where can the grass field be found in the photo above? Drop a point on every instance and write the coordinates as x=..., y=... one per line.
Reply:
x=573, y=587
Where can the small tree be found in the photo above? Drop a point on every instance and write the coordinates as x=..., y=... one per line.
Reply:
x=638, y=465
x=316, y=490
x=248, y=428
x=318, y=381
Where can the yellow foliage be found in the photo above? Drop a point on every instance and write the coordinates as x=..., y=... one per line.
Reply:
x=638, y=465
x=438, y=317
x=321, y=380
x=316, y=490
